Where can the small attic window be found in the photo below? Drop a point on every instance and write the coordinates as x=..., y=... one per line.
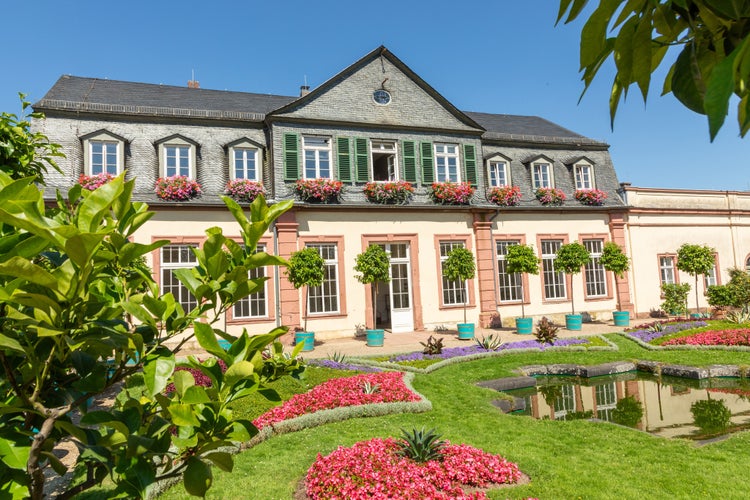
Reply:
x=583, y=173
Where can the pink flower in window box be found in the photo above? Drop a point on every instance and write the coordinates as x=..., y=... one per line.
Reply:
x=451, y=193
x=322, y=190
x=389, y=192
x=244, y=190
x=177, y=188
x=505, y=196
x=593, y=197
x=92, y=182
x=550, y=196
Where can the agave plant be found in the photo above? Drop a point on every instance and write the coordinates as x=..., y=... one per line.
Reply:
x=369, y=388
x=420, y=445
x=490, y=342
x=739, y=316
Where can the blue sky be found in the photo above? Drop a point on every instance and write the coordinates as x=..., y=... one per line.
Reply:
x=489, y=56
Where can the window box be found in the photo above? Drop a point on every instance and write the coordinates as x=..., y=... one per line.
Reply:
x=506, y=196
x=451, y=193
x=593, y=197
x=244, y=190
x=177, y=188
x=550, y=196
x=92, y=182
x=389, y=192
x=321, y=190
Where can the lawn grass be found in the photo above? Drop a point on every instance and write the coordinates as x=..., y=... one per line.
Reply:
x=577, y=459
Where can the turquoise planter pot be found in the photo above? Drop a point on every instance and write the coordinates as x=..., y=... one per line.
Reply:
x=621, y=318
x=465, y=331
x=524, y=326
x=573, y=321
x=375, y=337
x=308, y=338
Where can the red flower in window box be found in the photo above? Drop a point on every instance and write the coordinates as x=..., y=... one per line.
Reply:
x=389, y=192
x=322, y=190
x=506, y=196
x=177, y=188
x=244, y=190
x=593, y=197
x=550, y=196
x=92, y=182
x=451, y=193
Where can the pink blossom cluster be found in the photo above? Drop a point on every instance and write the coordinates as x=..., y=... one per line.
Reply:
x=505, y=196
x=739, y=337
x=335, y=393
x=177, y=188
x=373, y=470
x=91, y=182
x=318, y=189
x=550, y=196
x=388, y=192
x=244, y=190
x=594, y=197
x=451, y=193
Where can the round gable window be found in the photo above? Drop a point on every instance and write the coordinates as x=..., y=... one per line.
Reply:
x=381, y=96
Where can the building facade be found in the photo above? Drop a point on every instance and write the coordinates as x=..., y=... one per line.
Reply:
x=375, y=122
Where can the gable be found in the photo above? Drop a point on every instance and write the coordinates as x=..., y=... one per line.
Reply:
x=348, y=98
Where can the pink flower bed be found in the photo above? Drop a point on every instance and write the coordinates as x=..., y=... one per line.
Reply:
x=373, y=470
x=348, y=391
x=740, y=337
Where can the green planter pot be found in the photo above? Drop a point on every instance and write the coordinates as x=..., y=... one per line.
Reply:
x=621, y=318
x=375, y=337
x=308, y=338
x=573, y=321
x=524, y=326
x=465, y=331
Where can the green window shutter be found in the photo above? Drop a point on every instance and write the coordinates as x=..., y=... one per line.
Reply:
x=470, y=164
x=360, y=158
x=428, y=167
x=291, y=157
x=410, y=161
x=344, y=159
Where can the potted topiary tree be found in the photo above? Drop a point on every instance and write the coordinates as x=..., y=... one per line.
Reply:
x=570, y=258
x=522, y=259
x=306, y=268
x=695, y=260
x=613, y=259
x=374, y=267
x=459, y=266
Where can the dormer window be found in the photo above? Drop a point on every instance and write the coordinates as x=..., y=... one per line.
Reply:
x=104, y=153
x=541, y=175
x=177, y=157
x=245, y=160
x=499, y=171
x=584, y=175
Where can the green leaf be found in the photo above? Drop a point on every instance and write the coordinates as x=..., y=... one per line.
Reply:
x=18, y=267
x=197, y=477
x=81, y=247
x=13, y=455
x=719, y=89
x=594, y=32
x=238, y=371
x=55, y=463
x=183, y=415
x=222, y=460
x=183, y=380
x=196, y=395
x=683, y=83
x=10, y=343
x=206, y=337
x=157, y=369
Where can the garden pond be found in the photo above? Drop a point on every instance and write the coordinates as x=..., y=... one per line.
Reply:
x=664, y=406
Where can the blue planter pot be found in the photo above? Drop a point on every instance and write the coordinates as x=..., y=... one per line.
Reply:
x=573, y=321
x=465, y=331
x=621, y=318
x=308, y=338
x=375, y=337
x=524, y=326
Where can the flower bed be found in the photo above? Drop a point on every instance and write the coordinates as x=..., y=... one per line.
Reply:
x=593, y=197
x=92, y=182
x=506, y=196
x=388, y=192
x=373, y=470
x=451, y=193
x=653, y=331
x=453, y=352
x=739, y=337
x=342, y=365
x=550, y=196
x=177, y=188
x=320, y=190
x=244, y=190
x=363, y=389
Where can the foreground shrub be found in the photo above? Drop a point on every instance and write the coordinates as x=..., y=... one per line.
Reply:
x=373, y=470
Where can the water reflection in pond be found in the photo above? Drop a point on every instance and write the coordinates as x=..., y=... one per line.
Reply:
x=668, y=407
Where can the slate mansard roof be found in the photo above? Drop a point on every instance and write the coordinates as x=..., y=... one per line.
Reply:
x=95, y=95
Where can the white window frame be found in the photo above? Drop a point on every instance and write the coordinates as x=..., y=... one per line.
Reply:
x=711, y=278
x=455, y=292
x=318, y=155
x=103, y=138
x=555, y=285
x=542, y=175
x=185, y=258
x=447, y=162
x=255, y=301
x=499, y=167
x=249, y=162
x=177, y=143
x=667, y=270
x=583, y=173
x=510, y=285
x=595, y=276
x=325, y=299
x=384, y=147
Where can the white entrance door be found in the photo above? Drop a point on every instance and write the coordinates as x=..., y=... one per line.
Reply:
x=402, y=313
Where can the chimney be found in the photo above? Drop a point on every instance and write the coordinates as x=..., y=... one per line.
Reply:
x=194, y=84
x=304, y=90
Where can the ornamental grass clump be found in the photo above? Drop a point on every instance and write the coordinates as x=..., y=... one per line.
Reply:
x=92, y=182
x=550, y=196
x=320, y=190
x=505, y=196
x=591, y=197
x=177, y=188
x=451, y=193
x=244, y=190
x=397, y=193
